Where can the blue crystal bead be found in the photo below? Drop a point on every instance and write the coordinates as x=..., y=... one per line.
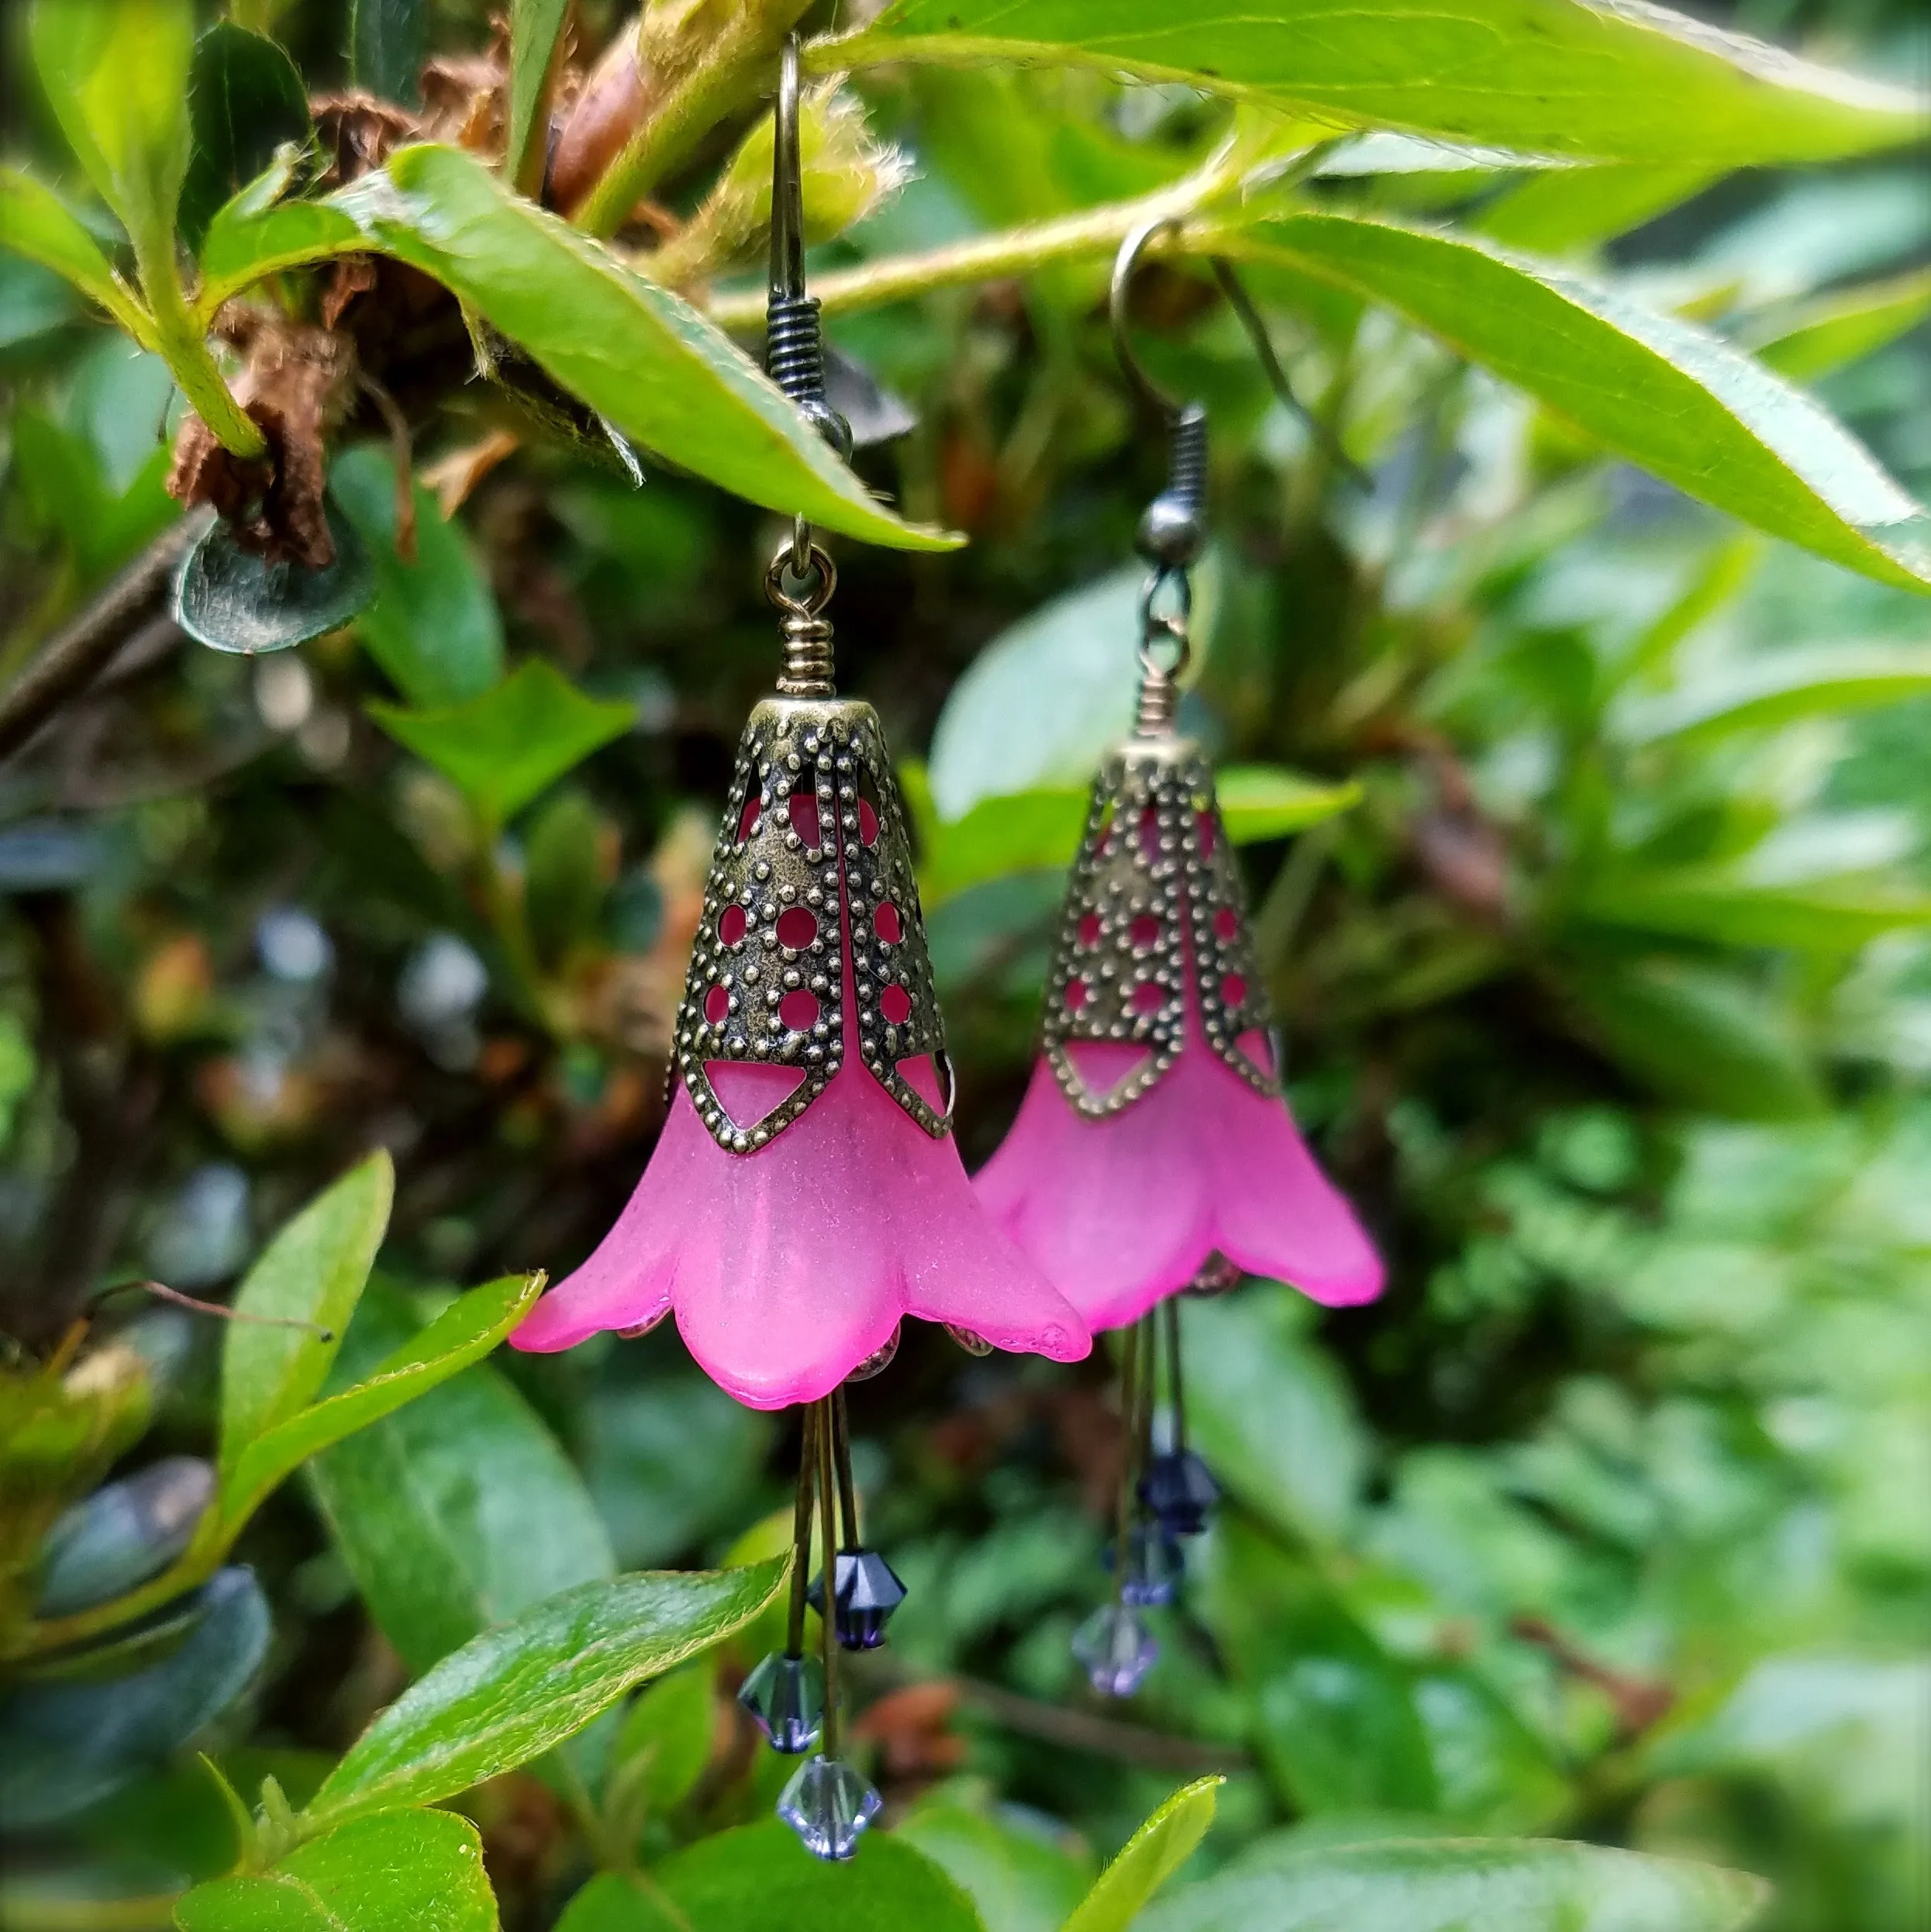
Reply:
x=1155, y=1565
x=1115, y=1649
x=829, y=1805
x=786, y=1695
x=866, y=1592
x=1178, y=1488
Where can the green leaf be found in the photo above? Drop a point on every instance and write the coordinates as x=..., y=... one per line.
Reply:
x=1495, y=1774
x=536, y=42
x=1560, y=210
x=313, y=1270
x=465, y=1332
x=1040, y=705
x=1018, y=1877
x=567, y=869
x=458, y=1512
x=1666, y=394
x=386, y=47
x=1759, y=693
x=666, y=378
x=518, y=1691
x=1834, y=914
x=36, y=222
x=434, y=625
x=1271, y=1413
x=759, y=1876
x=1262, y=802
x=65, y=1745
x=1154, y=1852
x=1843, y=327
x=256, y=233
x=660, y=1752
x=403, y=1871
x=1699, y=1037
x=1553, y=77
x=1333, y=1720
x=501, y=750
x=1458, y=1884
x=245, y=100
x=116, y=73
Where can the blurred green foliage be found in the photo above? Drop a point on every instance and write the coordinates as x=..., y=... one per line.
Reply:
x=1586, y=836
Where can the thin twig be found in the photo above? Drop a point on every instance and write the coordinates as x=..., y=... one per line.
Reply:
x=222, y=1310
x=74, y=656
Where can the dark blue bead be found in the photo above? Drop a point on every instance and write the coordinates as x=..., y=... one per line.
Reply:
x=1178, y=1489
x=867, y=1593
x=786, y=1695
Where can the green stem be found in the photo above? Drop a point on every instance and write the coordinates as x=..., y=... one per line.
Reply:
x=708, y=72
x=179, y=339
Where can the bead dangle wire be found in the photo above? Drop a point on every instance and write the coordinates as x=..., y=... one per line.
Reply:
x=793, y=1695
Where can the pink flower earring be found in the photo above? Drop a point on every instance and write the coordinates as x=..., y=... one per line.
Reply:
x=806, y=1194
x=1154, y=1151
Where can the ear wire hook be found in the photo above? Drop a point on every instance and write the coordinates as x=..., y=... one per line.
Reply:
x=1126, y=261
x=794, y=358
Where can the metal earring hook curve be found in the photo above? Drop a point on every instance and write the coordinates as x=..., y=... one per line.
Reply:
x=1125, y=262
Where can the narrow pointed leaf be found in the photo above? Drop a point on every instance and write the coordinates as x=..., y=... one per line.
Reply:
x=1154, y=1852
x=1670, y=396
x=36, y=222
x=312, y=1271
x=536, y=41
x=520, y=736
x=668, y=379
x=405, y=1872
x=1844, y=326
x=1626, y=82
x=1822, y=915
x=386, y=46
x=465, y=1332
x=518, y=1691
x=1762, y=692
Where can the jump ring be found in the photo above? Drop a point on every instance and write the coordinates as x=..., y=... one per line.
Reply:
x=819, y=577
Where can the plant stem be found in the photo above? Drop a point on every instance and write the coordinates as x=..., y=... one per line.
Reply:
x=1017, y=251
x=179, y=338
x=705, y=70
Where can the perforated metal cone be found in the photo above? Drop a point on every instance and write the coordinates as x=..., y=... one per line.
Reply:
x=1156, y=890
x=814, y=844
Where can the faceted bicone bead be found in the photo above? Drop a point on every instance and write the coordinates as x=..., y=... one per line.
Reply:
x=867, y=1593
x=1115, y=1649
x=786, y=1695
x=829, y=1805
x=1155, y=1565
x=1179, y=1490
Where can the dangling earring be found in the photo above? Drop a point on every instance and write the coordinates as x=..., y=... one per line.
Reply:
x=1153, y=1151
x=806, y=1194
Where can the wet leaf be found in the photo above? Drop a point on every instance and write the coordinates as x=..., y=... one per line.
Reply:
x=519, y=1690
x=761, y=1875
x=403, y=1871
x=1018, y=1878
x=232, y=600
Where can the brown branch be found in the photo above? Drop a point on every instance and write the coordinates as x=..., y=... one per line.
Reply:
x=75, y=656
x=1081, y=1730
